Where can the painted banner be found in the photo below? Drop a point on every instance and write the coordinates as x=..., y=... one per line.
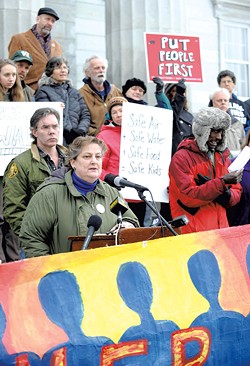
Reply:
x=173, y=57
x=15, y=128
x=145, y=151
x=181, y=300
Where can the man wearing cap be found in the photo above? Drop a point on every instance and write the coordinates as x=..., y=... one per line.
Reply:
x=200, y=186
x=97, y=92
x=38, y=43
x=24, y=62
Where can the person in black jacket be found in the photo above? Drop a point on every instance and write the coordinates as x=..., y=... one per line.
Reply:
x=55, y=86
x=182, y=118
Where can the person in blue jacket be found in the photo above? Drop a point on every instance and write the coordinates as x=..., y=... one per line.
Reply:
x=55, y=86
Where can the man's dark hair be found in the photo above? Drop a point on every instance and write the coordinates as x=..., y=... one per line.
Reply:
x=53, y=63
x=225, y=73
x=39, y=114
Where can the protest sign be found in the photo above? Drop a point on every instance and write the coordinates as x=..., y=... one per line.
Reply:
x=15, y=128
x=173, y=57
x=177, y=301
x=145, y=152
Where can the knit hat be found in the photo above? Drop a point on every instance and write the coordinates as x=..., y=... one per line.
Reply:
x=115, y=101
x=48, y=11
x=169, y=87
x=206, y=119
x=22, y=55
x=133, y=82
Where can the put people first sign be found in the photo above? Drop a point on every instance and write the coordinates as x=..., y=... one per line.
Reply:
x=173, y=57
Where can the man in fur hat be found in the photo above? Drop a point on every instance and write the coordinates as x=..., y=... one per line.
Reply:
x=200, y=185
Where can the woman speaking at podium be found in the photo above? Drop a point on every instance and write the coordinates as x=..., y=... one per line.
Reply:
x=63, y=204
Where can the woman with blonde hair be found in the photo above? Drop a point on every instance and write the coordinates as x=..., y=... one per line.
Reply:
x=10, y=86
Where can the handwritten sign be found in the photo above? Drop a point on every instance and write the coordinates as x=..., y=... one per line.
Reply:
x=146, y=142
x=173, y=57
x=15, y=128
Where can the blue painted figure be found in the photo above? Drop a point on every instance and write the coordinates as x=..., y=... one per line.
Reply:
x=136, y=290
x=60, y=297
x=7, y=359
x=227, y=328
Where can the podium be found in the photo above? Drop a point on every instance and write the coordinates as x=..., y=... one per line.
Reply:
x=125, y=236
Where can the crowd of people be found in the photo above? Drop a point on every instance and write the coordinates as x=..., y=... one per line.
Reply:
x=67, y=181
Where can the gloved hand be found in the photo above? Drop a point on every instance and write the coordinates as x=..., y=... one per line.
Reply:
x=159, y=85
x=224, y=198
x=181, y=87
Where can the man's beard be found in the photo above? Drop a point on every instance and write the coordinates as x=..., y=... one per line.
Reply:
x=100, y=79
x=45, y=32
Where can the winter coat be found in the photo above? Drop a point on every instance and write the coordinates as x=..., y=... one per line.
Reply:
x=188, y=196
x=235, y=134
x=237, y=109
x=96, y=105
x=241, y=212
x=28, y=92
x=21, y=178
x=247, y=113
x=58, y=210
x=76, y=117
x=27, y=41
x=182, y=119
x=111, y=135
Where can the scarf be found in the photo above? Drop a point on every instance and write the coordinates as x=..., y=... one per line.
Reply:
x=44, y=41
x=136, y=101
x=82, y=186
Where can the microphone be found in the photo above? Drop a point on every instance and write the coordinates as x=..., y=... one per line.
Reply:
x=93, y=225
x=118, y=207
x=179, y=221
x=119, y=182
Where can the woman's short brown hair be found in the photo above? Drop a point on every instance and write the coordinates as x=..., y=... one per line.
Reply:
x=76, y=146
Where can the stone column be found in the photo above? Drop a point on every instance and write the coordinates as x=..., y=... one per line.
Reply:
x=16, y=16
x=126, y=22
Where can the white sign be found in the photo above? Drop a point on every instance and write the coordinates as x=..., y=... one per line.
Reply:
x=240, y=160
x=145, y=154
x=15, y=128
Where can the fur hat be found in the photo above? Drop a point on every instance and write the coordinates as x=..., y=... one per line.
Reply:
x=206, y=119
x=133, y=82
x=115, y=101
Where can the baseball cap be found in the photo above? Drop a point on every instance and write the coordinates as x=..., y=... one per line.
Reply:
x=22, y=55
x=48, y=11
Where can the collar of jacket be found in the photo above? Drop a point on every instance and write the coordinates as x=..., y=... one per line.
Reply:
x=136, y=101
x=35, y=151
x=106, y=84
x=48, y=80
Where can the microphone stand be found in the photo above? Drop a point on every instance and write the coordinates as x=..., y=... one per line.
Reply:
x=143, y=198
